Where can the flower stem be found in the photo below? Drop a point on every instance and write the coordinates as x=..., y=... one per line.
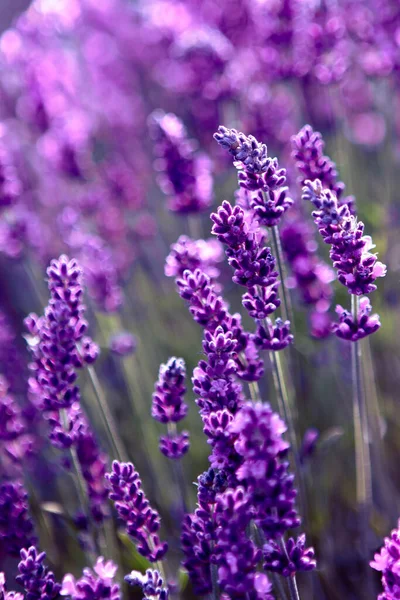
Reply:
x=286, y=308
x=108, y=419
x=178, y=470
x=363, y=462
x=292, y=583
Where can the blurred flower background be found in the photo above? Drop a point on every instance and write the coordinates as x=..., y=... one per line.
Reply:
x=107, y=114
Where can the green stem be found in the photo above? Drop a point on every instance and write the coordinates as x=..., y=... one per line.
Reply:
x=107, y=417
x=292, y=583
x=363, y=462
x=178, y=470
x=286, y=308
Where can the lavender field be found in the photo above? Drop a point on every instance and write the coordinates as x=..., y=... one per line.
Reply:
x=200, y=299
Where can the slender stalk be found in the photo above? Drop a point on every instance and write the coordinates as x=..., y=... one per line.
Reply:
x=285, y=410
x=107, y=417
x=254, y=391
x=362, y=451
x=286, y=308
x=178, y=470
x=292, y=583
x=81, y=486
x=215, y=594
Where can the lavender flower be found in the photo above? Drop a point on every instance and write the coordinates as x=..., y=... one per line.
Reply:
x=357, y=267
x=168, y=406
x=289, y=560
x=258, y=173
x=205, y=305
x=186, y=176
x=388, y=563
x=151, y=583
x=188, y=254
x=353, y=330
x=236, y=555
x=123, y=343
x=16, y=527
x=93, y=585
x=39, y=583
x=58, y=343
x=263, y=471
x=10, y=184
x=142, y=522
x=199, y=531
x=308, y=153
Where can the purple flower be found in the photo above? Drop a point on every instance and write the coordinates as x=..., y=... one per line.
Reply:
x=205, y=305
x=142, y=522
x=16, y=527
x=289, y=560
x=185, y=176
x=58, y=342
x=366, y=324
x=169, y=407
x=199, y=531
x=308, y=153
x=263, y=471
x=151, y=583
x=38, y=582
x=123, y=343
x=188, y=254
x=270, y=205
x=12, y=424
x=273, y=336
x=10, y=184
x=388, y=563
x=357, y=267
x=93, y=585
x=236, y=555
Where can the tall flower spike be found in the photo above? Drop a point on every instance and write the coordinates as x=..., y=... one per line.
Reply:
x=185, y=176
x=258, y=173
x=142, y=522
x=93, y=585
x=58, y=342
x=39, y=583
x=188, y=254
x=169, y=407
x=357, y=267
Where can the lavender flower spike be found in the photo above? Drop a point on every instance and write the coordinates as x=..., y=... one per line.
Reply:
x=151, y=583
x=169, y=408
x=142, y=522
x=350, y=329
x=388, y=563
x=16, y=527
x=93, y=585
x=38, y=582
x=4, y=595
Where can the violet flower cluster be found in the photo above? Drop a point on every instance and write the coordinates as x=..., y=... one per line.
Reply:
x=169, y=407
x=151, y=583
x=94, y=584
x=133, y=508
x=38, y=582
x=185, y=177
x=387, y=562
x=258, y=173
x=59, y=347
x=357, y=267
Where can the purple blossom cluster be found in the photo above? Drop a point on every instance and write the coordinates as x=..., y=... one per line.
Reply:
x=169, y=407
x=59, y=347
x=16, y=526
x=387, y=562
x=96, y=584
x=185, y=177
x=133, y=508
x=38, y=582
x=151, y=583
x=189, y=254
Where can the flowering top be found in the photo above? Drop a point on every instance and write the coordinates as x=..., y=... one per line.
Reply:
x=58, y=343
x=263, y=471
x=184, y=175
x=206, y=306
x=142, y=522
x=151, y=583
x=258, y=172
x=39, y=583
x=169, y=407
x=188, y=254
x=357, y=267
x=93, y=585
x=388, y=563
x=365, y=324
